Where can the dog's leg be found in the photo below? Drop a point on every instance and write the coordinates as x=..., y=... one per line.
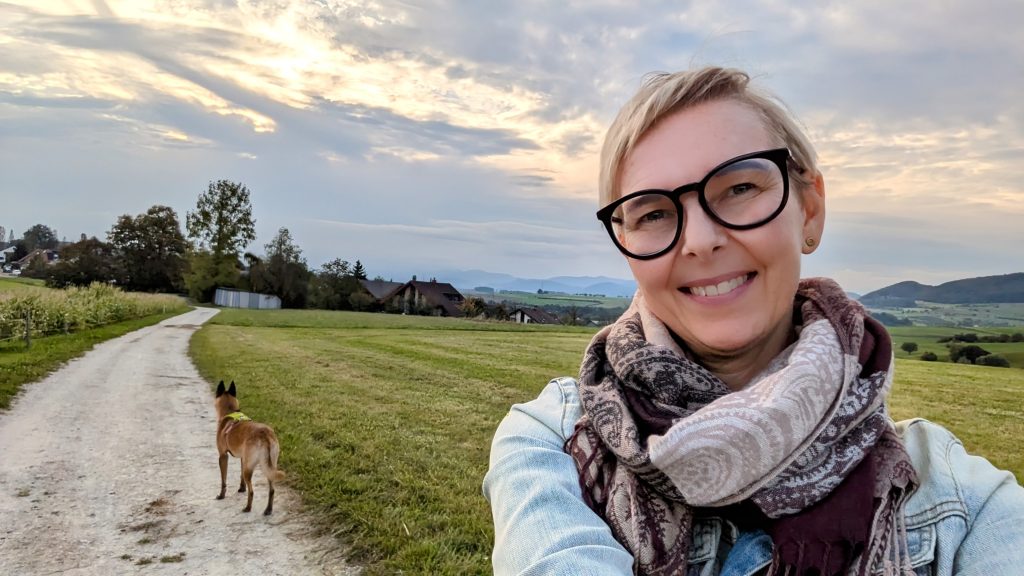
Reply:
x=247, y=478
x=241, y=482
x=270, y=499
x=223, y=475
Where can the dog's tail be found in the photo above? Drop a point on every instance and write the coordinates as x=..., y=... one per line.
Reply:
x=270, y=466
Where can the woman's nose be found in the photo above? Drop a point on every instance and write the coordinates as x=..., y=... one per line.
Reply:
x=700, y=235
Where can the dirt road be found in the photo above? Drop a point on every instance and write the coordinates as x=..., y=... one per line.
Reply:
x=109, y=466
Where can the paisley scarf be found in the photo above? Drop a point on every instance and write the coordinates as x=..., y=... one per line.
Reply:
x=808, y=442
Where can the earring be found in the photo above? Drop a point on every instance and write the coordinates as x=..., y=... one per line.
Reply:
x=810, y=242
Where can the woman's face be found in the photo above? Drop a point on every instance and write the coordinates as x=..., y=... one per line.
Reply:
x=755, y=272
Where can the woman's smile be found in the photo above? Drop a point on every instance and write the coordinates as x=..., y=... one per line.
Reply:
x=716, y=287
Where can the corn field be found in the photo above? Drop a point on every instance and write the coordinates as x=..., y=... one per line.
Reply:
x=74, y=309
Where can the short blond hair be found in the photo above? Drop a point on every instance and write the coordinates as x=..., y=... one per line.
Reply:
x=662, y=94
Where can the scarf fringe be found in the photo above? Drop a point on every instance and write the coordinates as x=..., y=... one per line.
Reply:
x=888, y=547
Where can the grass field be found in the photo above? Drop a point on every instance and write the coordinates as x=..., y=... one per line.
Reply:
x=935, y=314
x=386, y=421
x=553, y=299
x=13, y=284
x=926, y=338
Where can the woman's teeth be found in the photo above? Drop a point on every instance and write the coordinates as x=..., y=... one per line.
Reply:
x=719, y=289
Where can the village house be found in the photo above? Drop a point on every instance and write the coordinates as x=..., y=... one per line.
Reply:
x=380, y=290
x=533, y=316
x=442, y=298
x=46, y=255
x=7, y=253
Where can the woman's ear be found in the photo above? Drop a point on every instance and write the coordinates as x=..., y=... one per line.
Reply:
x=812, y=202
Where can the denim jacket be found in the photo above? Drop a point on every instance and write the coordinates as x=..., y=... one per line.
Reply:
x=966, y=518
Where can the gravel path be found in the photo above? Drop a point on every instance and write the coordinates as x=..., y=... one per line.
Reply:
x=109, y=466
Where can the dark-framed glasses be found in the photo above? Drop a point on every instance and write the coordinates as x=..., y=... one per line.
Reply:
x=742, y=193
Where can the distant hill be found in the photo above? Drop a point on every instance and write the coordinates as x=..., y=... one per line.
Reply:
x=1008, y=288
x=468, y=279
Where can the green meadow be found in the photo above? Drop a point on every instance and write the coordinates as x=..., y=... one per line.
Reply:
x=386, y=421
x=926, y=338
x=517, y=298
x=16, y=285
x=936, y=314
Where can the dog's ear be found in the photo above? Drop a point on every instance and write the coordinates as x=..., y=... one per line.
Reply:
x=220, y=389
x=232, y=390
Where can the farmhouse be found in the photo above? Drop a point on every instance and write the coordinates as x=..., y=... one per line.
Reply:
x=380, y=290
x=442, y=298
x=533, y=316
x=47, y=256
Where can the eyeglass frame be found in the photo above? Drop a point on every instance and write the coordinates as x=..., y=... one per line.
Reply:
x=781, y=157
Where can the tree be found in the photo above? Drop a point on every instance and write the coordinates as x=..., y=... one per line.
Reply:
x=337, y=267
x=284, y=246
x=361, y=301
x=83, y=263
x=472, y=307
x=358, y=271
x=222, y=221
x=37, y=267
x=970, y=352
x=994, y=360
x=151, y=250
x=332, y=285
x=499, y=312
x=20, y=251
x=40, y=236
x=909, y=347
x=890, y=319
x=929, y=357
x=221, y=226
x=203, y=274
x=572, y=316
x=283, y=273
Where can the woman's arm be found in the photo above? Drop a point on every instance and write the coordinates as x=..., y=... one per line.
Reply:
x=994, y=543
x=541, y=524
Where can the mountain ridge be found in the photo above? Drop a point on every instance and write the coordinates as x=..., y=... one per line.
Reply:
x=604, y=285
x=1003, y=288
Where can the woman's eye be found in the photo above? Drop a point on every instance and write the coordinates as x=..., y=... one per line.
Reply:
x=652, y=218
x=741, y=189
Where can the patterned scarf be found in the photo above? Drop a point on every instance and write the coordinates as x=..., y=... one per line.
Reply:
x=808, y=442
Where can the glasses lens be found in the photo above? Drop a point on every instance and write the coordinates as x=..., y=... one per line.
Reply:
x=746, y=191
x=645, y=224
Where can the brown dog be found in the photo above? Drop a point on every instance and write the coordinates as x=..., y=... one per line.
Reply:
x=253, y=442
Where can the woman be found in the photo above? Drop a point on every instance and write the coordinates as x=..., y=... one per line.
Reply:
x=732, y=421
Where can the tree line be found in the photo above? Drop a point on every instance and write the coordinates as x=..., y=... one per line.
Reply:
x=150, y=253
x=966, y=354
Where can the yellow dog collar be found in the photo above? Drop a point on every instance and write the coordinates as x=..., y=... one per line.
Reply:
x=238, y=417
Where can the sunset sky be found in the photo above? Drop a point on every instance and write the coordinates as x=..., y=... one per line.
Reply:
x=420, y=136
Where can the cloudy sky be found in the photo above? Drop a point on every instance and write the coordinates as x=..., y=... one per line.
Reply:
x=419, y=136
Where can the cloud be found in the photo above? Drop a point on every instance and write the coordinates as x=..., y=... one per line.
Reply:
x=461, y=124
